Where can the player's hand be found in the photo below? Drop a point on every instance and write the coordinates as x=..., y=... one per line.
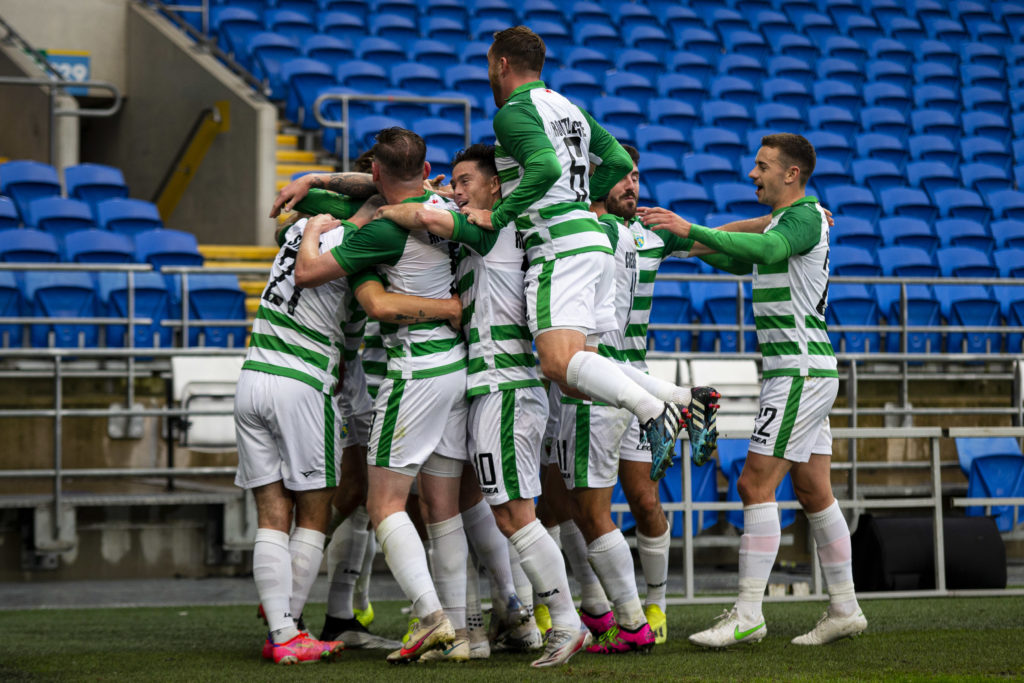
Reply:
x=479, y=217
x=291, y=194
x=828, y=217
x=657, y=217
x=455, y=317
x=383, y=212
x=438, y=186
x=321, y=223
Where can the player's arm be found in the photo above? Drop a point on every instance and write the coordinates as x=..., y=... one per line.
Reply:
x=663, y=219
x=367, y=211
x=612, y=162
x=312, y=268
x=402, y=309
x=355, y=185
x=796, y=232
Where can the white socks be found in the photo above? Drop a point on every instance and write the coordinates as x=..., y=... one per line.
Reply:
x=272, y=571
x=610, y=557
x=603, y=380
x=474, y=613
x=524, y=589
x=832, y=536
x=307, y=549
x=407, y=560
x=345, y=562
x=556, y=534
x=361, y=597
x=759, y=545
x=592, y=596
x=659, y=388
x=542, y=562
x=490, y=546
x=653, y=552
x=448, y=555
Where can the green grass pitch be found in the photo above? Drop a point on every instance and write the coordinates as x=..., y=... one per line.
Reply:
x=913, y=639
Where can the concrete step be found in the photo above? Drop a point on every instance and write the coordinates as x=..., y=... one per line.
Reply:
x=285, y=171
x=295, y=156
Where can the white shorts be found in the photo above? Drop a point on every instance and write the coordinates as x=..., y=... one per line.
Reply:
x=356, y=429
x=548, y=453
x=413, y=418
x=575, y=292
x=588, y=444
x=287, y=431
x=354, y=398
x=633, y=447
x=506, y=430
x=792, y=420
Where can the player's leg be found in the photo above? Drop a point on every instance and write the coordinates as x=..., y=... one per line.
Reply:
x=312, y=512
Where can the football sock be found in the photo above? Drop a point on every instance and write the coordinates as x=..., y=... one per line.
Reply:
x=474, y=612
x=659, y=388
x=490, y=546
x=448, y=555
x=524, y=589
x=361, y=597
x=610, y=557
x=345, y=558
x=592, y=596
x=653, y=552
x=272, y=571
x=307, y=550
x=556, y=533
x=407, y=560
x=759, y=545
x=542, y=562
x=603, y=380
x=832, y=536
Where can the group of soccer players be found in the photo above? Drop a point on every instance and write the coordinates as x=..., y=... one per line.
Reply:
x=541, y=237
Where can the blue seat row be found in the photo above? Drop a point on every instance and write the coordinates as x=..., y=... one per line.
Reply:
x=995, y=469
x=158, y=247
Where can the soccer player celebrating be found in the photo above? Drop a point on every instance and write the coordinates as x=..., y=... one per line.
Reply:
x=546, y=146
x=791, y=432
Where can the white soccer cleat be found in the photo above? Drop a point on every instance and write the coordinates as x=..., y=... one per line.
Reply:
x=563, y=644
x=479, y=645
x=458, y=651
x=831, y=628
x=730, y=630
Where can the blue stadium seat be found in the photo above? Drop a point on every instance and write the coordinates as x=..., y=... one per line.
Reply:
x=303, y=78
x=965, y=262
x=343, y=26
x=963, y=203
x=671, y=305
x=1011, y=303
x=700, y=41
x=1007, y=204
x=743, y=66
x=836, y=120
x=983, y=54
x=997, y=476
x=935, y=122
x=853, y=304
x=903, y=261
x=691, y=64
x=985, y=179
x=393, y=27
x=891, y=50
x=554, y=34
x=938, y=51
x=267, y=51
x=946, y=30
x=890, y=73
x=584, y=12
x=452, y=10
x=734, y=89
x=166, y=247
x=708, y=169
x=746, y=43
x=770, y=23
x=798, y=8
x=92, y=183
x=579, y=86
x=987, y=124
x=403, y=110
x=27, y=245
x=732, y=455
x=681, y=87
x=986, y=150
x=1010, y=263
x=656, y=168
x=715, y=302
x=855, y=232
x=816, y=26
x=653, y=39
x=151, y=301
x=909, y=202
x=434, y=53
x=684, y=198
x=380, y=51
x=829, y=172
x=936, y=74
x=11, y=335
x=482, y=130
x=841, y=70
x=970, y=305
x=963, y=232
x=214, y=297
x=884, y=119
x=985, y=76
x=907, y=30
x=599, y=37
x=59, y=216
x=233, y=27
x=931, y=176
x=723, y=20
x=859, y=27
x=356, y=8
x=443, y=134
x=1008, y=233
x=663, y=139
x=673, y=113
x=620, y=111
x=848, y=260
x=540, y=10
x=703, y=488
x=439, y=160
x=61, y=294
x=675, y=16
x=443, y=29
x=728, y=115
x=632, y=86
x=781, y=66
x=331, y=111
x=419, y=79
x=922, y=310
x=725, y=143
x=25, y=181
x=978, y=98
x=8, y=214
x=295, y=26
x=850, y=200
x=403, y=8
x=908, y=232
x=471, y=79
x=931, y=147
x=839, y=94
x=787, y=91
x=877, y=174
x=737, y=198
x=97, y=246
x=128, y=216
x=493, y=9
x=594, y=62
x=936, y=97
x=781, y=117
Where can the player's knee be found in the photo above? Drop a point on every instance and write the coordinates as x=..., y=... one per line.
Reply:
x=753, y=491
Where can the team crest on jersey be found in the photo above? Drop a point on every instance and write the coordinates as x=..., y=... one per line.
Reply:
x=638, y=239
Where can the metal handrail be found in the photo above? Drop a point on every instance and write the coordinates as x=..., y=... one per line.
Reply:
x=344, y=123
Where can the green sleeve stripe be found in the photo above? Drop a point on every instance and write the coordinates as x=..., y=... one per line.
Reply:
x=510, y=332
x=465, y=282
x=500, y=152
x=281, y=320
x=514, y=360
x=767, y=295
x=575, y=226
x=272, y=343
x=387, y=428
x=789, y=348
x=375, y=367
x=636, y=330
x=774, y=322
x=427, y=373
x=820, y=349
x=283, y=372
x=621, y=355
x=642, y=303
x=554, y=210
x=508, y=174
x=647, y=276
x=814, y=322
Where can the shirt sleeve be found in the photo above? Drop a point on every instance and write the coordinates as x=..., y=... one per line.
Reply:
x=674, y=244
x=363, y=276
x=801, y=226
x=611, y=160
x=324, y=201
x=728, y=264
x=377, y=242
x=473, y=236
x=520, y=133
x=764, y=248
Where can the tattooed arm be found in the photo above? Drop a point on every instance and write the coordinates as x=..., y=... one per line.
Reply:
x=402, y=309
x=357, y=185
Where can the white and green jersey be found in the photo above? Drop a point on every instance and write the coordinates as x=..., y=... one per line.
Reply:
x=613, y=344
x=789, y=298
x=374, y=358
x=490, y=279
x=545, y=147
x=297, y=332
x=418, y=264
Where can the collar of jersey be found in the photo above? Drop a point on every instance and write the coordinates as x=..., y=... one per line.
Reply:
x=803, y=200
x=532, y=85
x=417, y=200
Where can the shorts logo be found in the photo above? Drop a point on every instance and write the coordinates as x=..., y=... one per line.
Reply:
x=308, y=474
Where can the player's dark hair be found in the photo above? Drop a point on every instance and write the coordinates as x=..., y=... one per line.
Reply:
x=795, y=150
x=400, y=152
x=523, y=48
x=364, y=162
x=633, y=153
x=482, y=154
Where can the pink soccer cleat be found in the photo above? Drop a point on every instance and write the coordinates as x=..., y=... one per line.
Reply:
x=302, y=648
x=598, y=625
x=619, y=640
